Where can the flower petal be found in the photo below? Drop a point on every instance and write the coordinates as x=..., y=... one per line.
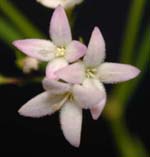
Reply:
x=56, y=87
x=54, y=3
x=97, y=109
x=96, y=49
x=73, y=73
x=59, y=28
x=54, y=66
x=115, y=72
x=36, y=48
x=88, y=94
x=41, y=105
x=74, y=51
x=71, y=122
x=51, y=3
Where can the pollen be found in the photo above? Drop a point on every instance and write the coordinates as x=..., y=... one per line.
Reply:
x=90, y=72
x=60, y=52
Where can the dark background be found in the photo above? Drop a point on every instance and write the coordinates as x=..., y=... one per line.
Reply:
x=42, y=136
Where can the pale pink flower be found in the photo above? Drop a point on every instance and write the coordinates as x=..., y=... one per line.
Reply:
x=59, y=95
x=54, y=3
x=94, y=68
x=61, y=51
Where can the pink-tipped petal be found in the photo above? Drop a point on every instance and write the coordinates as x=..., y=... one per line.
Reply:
x=56, y=87
x=59, y=28
x=74, y=51
x=115, y=72
x=96, y=49
x=88, y=94
x=73, y=73
x=36, y=48
x=41, y=105
x=71, y=123
x=54, y=66
x=97, y=109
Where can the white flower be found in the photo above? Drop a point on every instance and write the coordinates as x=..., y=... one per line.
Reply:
x=60, y=95
x=93, y=68
x=61, y=51
x=54, y=3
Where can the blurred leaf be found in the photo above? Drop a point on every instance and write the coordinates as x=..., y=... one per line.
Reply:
x=128, y=145
x=124, y=91
x=19, y=20
x=7, y=32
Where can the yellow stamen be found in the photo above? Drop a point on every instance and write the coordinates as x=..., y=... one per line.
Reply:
x=60, y=52
x=90, y=72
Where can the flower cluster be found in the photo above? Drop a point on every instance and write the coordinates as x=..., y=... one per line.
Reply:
x=74, y=76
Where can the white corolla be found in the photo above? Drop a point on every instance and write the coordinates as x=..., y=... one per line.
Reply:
x=54, y=3
x=95, y=69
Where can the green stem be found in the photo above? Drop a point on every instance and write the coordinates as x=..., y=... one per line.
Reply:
x=8, y=80
x=21, y=22
x=144, y=50
x=71, y=17
x=132, y=28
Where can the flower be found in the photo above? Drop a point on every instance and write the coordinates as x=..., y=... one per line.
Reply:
x=59, y=95
x=61, y=51
x=54, y=3
x=94, y=68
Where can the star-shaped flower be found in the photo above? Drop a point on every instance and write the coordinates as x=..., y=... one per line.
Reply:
x=54, y=3
x=59, y=95
x=61, y=51
x=94, y=68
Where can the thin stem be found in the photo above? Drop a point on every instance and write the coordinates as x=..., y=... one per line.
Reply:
x=19, y=20
x=132, y=29
x=8, y=80
x=144, y=50
x=71, y=17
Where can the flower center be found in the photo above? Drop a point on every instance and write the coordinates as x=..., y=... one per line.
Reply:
x=60, y=52
x=90, y=72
